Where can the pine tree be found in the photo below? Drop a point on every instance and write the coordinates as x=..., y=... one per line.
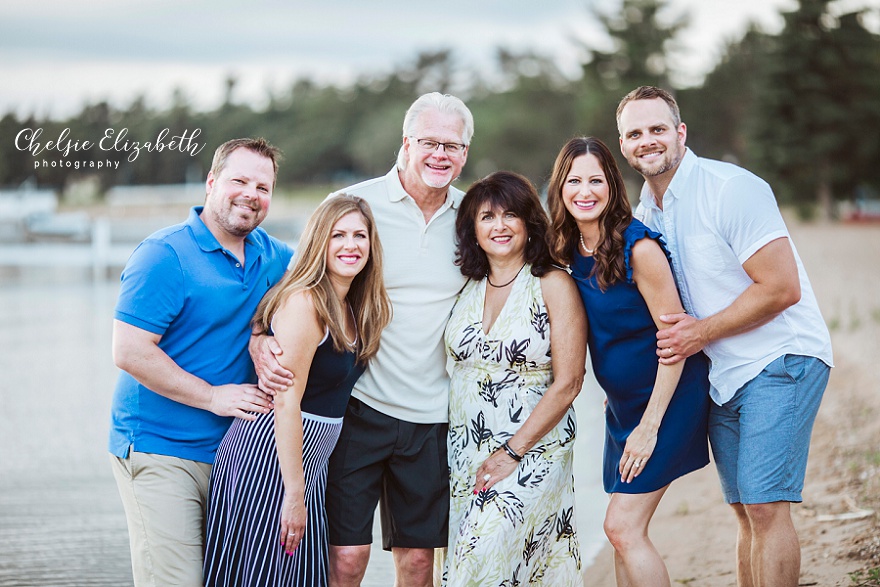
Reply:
x=641, y=41
x=819, y=96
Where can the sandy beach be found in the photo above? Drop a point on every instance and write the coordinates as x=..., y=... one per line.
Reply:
x=61, y=521
x=695, y=530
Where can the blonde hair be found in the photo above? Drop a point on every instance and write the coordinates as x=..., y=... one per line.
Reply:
x=366, y=296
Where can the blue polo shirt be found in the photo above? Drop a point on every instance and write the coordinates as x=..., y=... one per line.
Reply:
x=180, y=283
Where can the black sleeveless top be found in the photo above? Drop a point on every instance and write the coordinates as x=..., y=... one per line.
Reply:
x=331, y=378
x=332, y=375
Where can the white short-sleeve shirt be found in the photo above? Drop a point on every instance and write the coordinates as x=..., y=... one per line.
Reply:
x=407, y=379
x=715, y=216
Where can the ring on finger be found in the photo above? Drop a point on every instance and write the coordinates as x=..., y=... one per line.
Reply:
x=486, y=477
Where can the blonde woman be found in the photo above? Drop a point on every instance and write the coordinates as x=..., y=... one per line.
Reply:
x=266, y=518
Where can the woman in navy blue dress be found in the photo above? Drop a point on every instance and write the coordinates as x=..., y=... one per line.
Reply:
x=266, y=522
x=656, y=417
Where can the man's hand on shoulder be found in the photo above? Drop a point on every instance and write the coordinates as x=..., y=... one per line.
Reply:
x=272, y=377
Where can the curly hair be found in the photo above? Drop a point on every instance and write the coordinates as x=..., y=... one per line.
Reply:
x=510, y=192
x=609, y=267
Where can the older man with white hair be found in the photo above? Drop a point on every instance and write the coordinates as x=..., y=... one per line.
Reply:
x=393, y=444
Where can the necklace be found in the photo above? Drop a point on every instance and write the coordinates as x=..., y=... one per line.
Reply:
x=353, y=343
x=584, y=245
x=509, y=282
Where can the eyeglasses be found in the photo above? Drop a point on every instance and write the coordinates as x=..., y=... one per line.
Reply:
x=429, y=146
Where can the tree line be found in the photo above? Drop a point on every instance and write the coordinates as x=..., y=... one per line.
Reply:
x=801, y=108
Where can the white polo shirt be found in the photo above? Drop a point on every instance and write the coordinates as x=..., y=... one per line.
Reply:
x=407, y=379
x=715, y=216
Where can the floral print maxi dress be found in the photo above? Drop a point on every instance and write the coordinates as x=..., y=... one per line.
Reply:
x=522, y=530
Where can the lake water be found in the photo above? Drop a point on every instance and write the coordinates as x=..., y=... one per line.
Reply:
x=61, y=520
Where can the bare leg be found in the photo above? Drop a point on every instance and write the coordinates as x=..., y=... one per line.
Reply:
x=743, y=547
x=620, y=576
x=636, y=561
x=348, y=565
x=776, y=551
x=414, y=567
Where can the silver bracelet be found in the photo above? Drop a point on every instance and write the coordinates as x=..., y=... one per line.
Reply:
x=511, y=453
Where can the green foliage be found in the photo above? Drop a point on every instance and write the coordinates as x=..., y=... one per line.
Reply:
x=639, y=57
x=819, y=92
x=522, y=127
x=866, y=578
x=720, y=114
x=800, y=108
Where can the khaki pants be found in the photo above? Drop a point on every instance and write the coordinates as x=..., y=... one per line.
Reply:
x=164, y=499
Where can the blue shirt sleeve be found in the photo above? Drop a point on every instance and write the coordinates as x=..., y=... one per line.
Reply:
x=152, y=291
x=635, y=232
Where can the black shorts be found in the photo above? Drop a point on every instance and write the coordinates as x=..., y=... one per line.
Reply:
x=403, y=465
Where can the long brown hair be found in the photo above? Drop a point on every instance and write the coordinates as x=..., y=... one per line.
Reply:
x=366, y=296
x=609, y=267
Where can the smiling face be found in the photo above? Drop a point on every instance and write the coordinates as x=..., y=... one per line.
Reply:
x=434, y=169
x=585, y=190
x=649, y=139
x=348, y=249
x=500, y=233
x=239, y=196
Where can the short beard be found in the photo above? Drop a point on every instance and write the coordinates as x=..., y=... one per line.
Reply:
x=668, y=166
x=238, y=231
x=437, y=187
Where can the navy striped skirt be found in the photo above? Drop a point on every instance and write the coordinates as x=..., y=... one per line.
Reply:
x=243, y=535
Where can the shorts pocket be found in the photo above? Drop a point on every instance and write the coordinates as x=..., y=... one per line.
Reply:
x=355, y=407
x=125, y=464
x=794, y=366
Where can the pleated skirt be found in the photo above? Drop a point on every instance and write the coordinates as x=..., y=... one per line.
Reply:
x=243, y=534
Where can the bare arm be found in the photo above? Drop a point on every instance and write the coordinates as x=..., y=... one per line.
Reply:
x=654, y=280
x=265, y=352
x=568, y=341
x=776, y=286
x=299, y=334
x=137, y=352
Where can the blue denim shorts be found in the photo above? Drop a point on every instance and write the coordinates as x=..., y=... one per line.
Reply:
x=761, y=437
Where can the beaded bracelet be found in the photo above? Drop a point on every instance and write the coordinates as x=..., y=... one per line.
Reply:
x=511, y=453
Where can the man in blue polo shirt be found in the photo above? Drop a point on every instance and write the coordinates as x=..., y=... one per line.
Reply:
x=180, y=337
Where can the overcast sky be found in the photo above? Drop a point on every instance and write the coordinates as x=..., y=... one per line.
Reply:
x=54, y=55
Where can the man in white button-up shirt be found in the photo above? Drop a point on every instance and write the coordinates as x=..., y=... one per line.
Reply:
x=751, y=309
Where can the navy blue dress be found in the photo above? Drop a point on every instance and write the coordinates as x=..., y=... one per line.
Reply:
x=623, y=344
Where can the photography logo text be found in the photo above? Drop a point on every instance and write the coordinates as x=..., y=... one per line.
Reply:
x=61, y=152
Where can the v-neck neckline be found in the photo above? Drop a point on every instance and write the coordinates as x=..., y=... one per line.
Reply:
x=503, y=306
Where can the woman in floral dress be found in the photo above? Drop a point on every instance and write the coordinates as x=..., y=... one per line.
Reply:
x=511, y=424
